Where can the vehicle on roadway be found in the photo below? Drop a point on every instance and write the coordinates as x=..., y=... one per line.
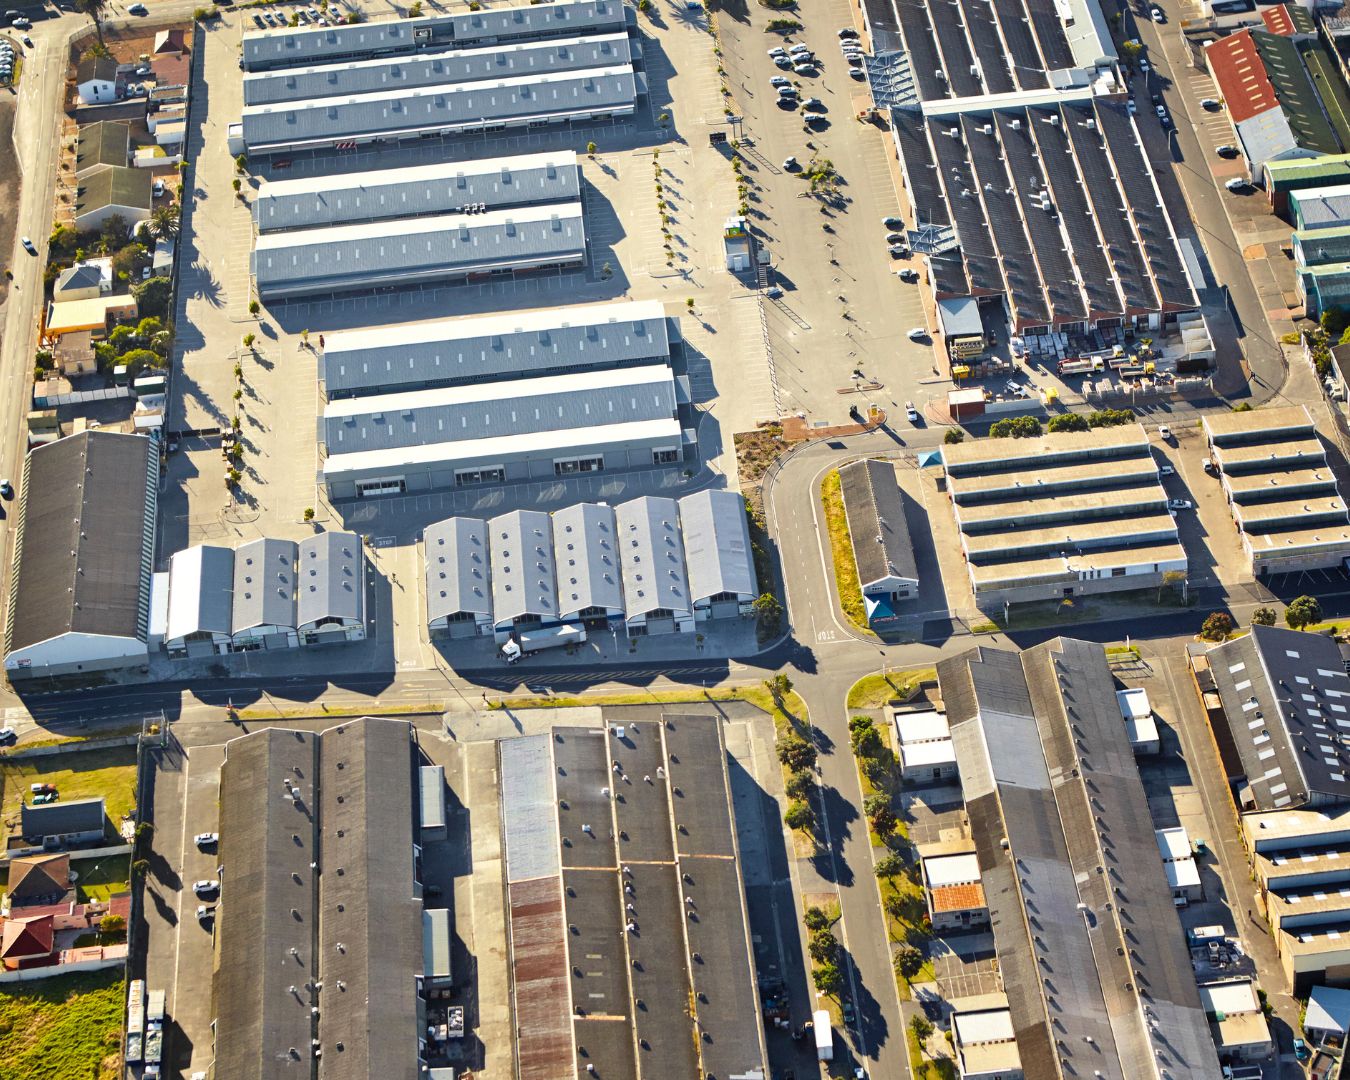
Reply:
x=28, y=245
x=1166, y=470
x=8, y=735
x=1180, y=504
x=790, y=164
x=1156, y=14
x=911, y=413
x=206, y=839
x=917, y=333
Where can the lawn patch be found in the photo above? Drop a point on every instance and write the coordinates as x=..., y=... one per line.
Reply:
x=841, y=550
x=64, y=1028
x=99, y=879
x=876, y=690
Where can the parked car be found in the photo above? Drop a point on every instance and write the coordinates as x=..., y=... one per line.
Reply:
x=1166, y=470
x=8, y=735
x=848, y=32
x=1236, y=183
x=159, y=189
x=804, y=69
x=1143, y=66
x=798, y=49
x=206, y=839
x=814, y=104
x=24, y=23
x=27, y=41
x=1180, y=504
x=790, y=164
x=1210, y=103
x=259, y=20
x=917, y=333
x=1210, y=466
x=137, y=9
x=773, y=292
x=893, y=222
x=206, y=913
x=41, y=789
x=780, y=81
x=911, y=413
x=778, y=50
x=1161, y=110
x=45, y=797
x=1164, y=433
x=895, y=238
x=1130, y=106
x=1227, y=150
x=907, y=274
x=207, y=887
x=783, y=60
x=1156, y=14
x=857, y=72
x=813, y=117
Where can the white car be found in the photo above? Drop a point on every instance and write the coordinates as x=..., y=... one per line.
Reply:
x=790, y=164
x=857, y=72
x=908, y=273
x=1161, y=110
x=798, y=49
x=8, y=735
x=911, y=413
x=1143, y=65
x=1236, y=183
x=206, y=839
x=778, y=50
x=780, y=80
x=1156, y=14
x=813, y=117
x=159, y=189
x=804, y=69
x=206, y=912
x=1166, y=470
x=1180, y=504
x=206, y=887
x=1164, y=432
x=28, y=245
x=917, y=333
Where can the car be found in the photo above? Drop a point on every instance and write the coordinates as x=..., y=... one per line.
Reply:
x=27, y=41
x=847, y=32
x=780, y=80
x=1236, y=183
x=783, y=60
x=8, y=735
x=41, y=789
x=1161, y=110
x=849, y=1014
x=158, y=189
x=778, y=50
x=302, y=17
x=1130, y=106
x=22, y=23
x=1227, y=150
x=1143, y=65
x=893, y=222
x=45, y=798
x=314, y=13
x=1166, y=470
x=11, y=15
x=206, y=839
x=1301, y=1050
x=907, y=274
x=813, y=117
x=1210, y=103
x=917, y=333
x=790, y=164
x=206, y=912
x=206, y=887
x=1156, y=14
x=814, y=104
x=137, y=9
x=1180, y=504
x=28, y=245
x=1166, y=122
x=800, y=47
x=895, y=238
x=241, y=63
x=1209, y=466
x=259, y=20
x=1164, y=432
x=856, y=72
x=773, y=292
x=911, y=413
x=804, y=69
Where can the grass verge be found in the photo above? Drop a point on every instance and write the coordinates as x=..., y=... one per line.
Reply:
x=64, y=1028
x=841, y=551
x=876, y=690
x=322, y=711
x=81, y=774
x=920, y=1068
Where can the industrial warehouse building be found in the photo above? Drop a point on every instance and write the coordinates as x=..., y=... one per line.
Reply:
x=882, y=550
x=1066, y=853
x=517, y=345
x=79, y=596
x=319, y=932
x=417, y=191
x=392, y=252
x=1281, y=490
x=1031, y=190
x=494, y=432
x=1067, y=514
x=267, y=594
x=266, y=49
x=640, y=898
x=592, y=565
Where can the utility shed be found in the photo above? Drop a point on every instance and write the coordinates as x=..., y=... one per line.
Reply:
x=882, y=549
x=79, y=596
x=719, y=557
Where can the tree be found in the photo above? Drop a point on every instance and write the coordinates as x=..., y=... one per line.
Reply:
x=1130, y=50
x=799, y=783
x=889, y=865
x=796, y=753
x=954, y=435
x=112, y=924
x=1110, y=418
x=139, y=359
x=1016, y=427
x=880, y=816
x=922, y=1027
x=416, y=10
x=908, y=961
x=590, y=149
x=148, y=327
x=1263, y=616
x=1303, y=611
x=829, y=979
x=309, y=513
x=140, y=867
x=95, y=9
x=254, y=307
x=1217, y=626
x=767, y=609
x=152, y=296
x=1067, y=422
x=63, y=243
x=122, y=338
x=128, y=260
x=822, y=946
x=865, y=739
x=799, y=815
x=240, y=163
x=164, y=221
x=816, y=918
x=113, y=232
x=778, y=687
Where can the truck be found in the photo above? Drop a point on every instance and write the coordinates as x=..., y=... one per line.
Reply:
x=531, y=641
x=154, y=1032
x=135, y=1021
x=1080, y=365
x=820, y=1023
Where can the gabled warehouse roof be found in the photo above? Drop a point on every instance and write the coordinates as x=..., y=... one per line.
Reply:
x=383, y=252
x=201, y=581
x=264, y=584
x=585, y=555
x=457, y=561
x=877, y=527
x=445, y=107
x=329, y=580
x=651, y=553
x=717, y=544
x=438, y=68
x=441, y=188
x=495, y=346
x=524, y=581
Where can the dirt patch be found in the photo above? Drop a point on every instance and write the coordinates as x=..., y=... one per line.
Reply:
x=10, y=183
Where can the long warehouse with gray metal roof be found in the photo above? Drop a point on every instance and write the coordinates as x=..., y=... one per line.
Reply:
x=385, y=254
x=515, y=345
x=487, y=184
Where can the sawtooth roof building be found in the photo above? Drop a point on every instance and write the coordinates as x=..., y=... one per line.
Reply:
x=390, y=253
x=1070, y=868
x=301, y=47
x=1065, y=514
x=319, y=948
x=79, y=593
x=591, y=564
x=1281, y=490
x=630, y=955
x=517, y=345
x=417, y=191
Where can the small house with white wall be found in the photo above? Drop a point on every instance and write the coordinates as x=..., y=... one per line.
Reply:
x=1137, y=712
x=925, y=743
x=96, y=80
x=1236, y=1020
x=953, y=891
x=983, y=1038
x=1183, y=875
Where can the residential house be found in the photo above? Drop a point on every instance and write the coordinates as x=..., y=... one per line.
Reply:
x=96, y=80
x=107, y=191
x=107, y=142
x=63, y=824
x=36, y=880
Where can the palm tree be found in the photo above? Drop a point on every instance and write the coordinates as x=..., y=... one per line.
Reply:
x=164, y=221
x=95, y=9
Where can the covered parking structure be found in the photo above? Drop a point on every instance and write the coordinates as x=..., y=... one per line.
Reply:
x=417, y=191
x=387, y=254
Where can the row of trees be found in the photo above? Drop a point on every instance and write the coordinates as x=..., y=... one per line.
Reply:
x=1300, y=612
